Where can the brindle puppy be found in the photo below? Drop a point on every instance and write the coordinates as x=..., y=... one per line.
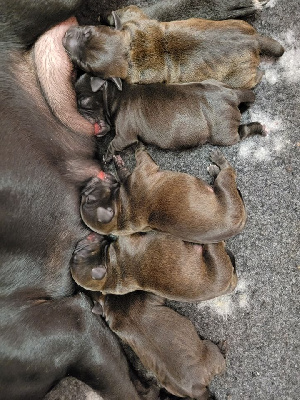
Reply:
x=154, y=262
x=171, y=202
x=141, y=50
x=206, y=112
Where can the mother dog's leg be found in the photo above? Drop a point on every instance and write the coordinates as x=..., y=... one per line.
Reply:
x=27, y=19
x=69, y=340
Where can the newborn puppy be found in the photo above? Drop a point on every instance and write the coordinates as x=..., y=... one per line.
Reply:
x=166, y=342
x=141, y=50
x=155, y=262
x=201, y=113
x=171, y=202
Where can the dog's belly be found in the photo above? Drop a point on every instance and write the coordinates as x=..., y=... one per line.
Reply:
x=39, y=218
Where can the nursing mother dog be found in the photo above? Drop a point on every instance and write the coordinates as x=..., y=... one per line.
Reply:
x=47, y=329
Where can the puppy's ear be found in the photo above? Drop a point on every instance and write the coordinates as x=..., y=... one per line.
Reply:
x=117, y=82
x=97, y=83
x=105, y=215
x=117, y=21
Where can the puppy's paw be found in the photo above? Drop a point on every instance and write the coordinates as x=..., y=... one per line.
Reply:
x=118, y=160
x=213, y=170
x=218, y=158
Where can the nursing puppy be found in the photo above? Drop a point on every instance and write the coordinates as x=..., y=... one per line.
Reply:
x=171, y=202
x=206, y=112
x=141, y=50
x=155, y=262
x=182, y=363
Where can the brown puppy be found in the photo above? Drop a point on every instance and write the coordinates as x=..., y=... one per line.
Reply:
x=182, y=363
x=205, y=112
x=141, y=50
x=155, y=262
x=171, y=202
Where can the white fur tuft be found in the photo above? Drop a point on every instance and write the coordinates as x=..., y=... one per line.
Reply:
x=271, y=3
x=257, y=4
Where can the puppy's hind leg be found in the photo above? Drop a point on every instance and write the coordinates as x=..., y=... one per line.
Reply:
x=220, y=263
x=269, y=46
x=228, y=196
x=254, y=128
x=209, y=9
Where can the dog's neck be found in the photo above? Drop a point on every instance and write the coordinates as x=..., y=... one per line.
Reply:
x=54, y=71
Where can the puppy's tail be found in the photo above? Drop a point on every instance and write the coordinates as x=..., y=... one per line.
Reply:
x=269, y=46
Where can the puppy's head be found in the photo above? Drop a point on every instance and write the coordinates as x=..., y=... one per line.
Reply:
x=90, y=102
x=97, y=49
x=99, y=202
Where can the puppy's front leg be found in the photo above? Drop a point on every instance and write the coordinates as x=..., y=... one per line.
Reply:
x=119, y=143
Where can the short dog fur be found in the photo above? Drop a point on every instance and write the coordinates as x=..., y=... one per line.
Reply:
x=171, y=202
x=183, y=372
x=47, y=330
x=206, y=112
x=141, y=50
x=155, y=262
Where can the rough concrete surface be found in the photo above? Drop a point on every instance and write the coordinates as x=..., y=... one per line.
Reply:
x=260, y=320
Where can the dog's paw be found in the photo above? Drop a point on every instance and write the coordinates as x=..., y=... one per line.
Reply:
x=217, y=157
x=118, y=160
x=213, y=170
